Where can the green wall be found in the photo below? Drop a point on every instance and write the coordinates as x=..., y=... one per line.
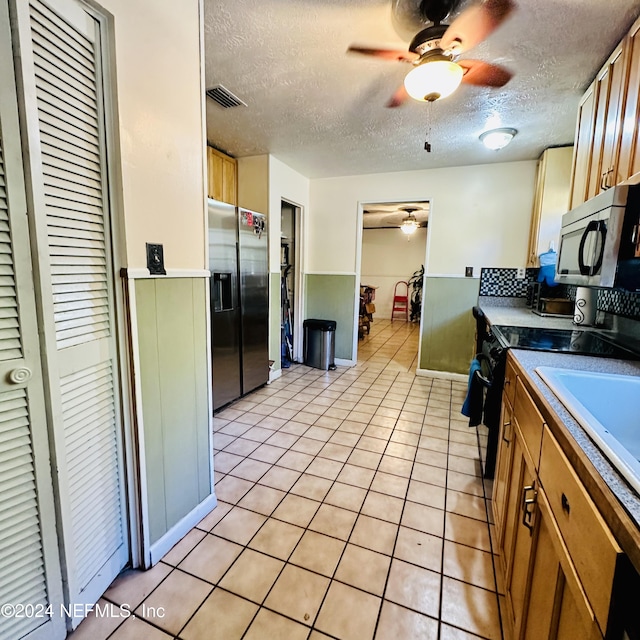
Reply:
x=448, y=326
x=331, y=297
x=172, y=338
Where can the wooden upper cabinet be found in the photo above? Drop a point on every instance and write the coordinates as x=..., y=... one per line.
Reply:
x=582, y=151
x=629, y=156
x=551, y=201
x=222, y=177
x=606, y=145
x=610, y=88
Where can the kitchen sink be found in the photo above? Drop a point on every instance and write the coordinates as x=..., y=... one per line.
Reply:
x=607, y=406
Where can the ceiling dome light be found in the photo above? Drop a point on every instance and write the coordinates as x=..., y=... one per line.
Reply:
x=497, y=138
x=437, y=77
x=409, y=225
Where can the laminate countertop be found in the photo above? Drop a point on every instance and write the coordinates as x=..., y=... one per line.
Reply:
x=617, y=501
x=524, y=317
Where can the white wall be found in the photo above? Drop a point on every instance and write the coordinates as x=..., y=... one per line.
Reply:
x=480, y=215
x=284, y=184
x=160, y=102
x=388, y=255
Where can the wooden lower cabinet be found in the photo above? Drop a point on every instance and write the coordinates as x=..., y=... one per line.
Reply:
x=549, y=592
x=503, y=469
x=557, y=605
x=518, y=528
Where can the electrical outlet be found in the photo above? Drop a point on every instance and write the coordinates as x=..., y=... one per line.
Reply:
x=521, y=273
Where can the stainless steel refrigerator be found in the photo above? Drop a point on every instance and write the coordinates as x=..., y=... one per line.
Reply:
x=239, y=301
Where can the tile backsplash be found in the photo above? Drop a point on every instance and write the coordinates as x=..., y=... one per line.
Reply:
x=620, y=303
x=503, y=283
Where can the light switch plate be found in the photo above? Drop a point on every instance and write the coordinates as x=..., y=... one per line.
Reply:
x=155, y=260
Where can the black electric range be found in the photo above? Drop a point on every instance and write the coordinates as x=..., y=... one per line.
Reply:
x=576, y=341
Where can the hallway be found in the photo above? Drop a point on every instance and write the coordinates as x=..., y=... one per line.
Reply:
x=350, y=507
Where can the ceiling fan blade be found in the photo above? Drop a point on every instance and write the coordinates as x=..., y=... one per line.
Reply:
x=475, y=24
x=484, y=74
x=398, y=98
x=386, y=54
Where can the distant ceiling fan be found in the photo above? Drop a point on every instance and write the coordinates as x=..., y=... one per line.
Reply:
x=434, y=50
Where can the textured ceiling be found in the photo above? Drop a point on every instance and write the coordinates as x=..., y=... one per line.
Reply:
x=321, y=111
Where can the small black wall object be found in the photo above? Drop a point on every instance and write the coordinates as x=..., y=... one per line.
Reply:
x=155, y=260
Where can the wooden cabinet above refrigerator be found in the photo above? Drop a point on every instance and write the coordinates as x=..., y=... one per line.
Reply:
x=222, y=177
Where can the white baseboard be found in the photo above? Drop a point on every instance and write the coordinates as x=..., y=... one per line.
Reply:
x=160, y=548
x=443, y=375
x=344, y=363
x=274, y=375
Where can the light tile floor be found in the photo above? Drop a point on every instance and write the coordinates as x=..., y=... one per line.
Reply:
x=350, y=507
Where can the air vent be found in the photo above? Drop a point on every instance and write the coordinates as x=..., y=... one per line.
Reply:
x=224, y=97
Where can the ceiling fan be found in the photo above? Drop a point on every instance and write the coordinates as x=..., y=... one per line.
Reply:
x=437, y=72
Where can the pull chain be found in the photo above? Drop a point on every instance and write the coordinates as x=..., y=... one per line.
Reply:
x=427, y=144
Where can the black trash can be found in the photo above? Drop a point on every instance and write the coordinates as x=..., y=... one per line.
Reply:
x=319, y=343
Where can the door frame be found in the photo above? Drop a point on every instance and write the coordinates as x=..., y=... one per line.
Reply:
x=298, y=275
x=362, y=204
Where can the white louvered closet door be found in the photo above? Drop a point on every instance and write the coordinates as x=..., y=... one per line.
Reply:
x=29, y=567
x=71, y=213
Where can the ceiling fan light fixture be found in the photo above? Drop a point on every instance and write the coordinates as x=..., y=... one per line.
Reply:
x=433, y=79
x=409, y=225
x=496, y=139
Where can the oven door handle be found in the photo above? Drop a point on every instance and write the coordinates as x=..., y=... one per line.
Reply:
x=483, y=379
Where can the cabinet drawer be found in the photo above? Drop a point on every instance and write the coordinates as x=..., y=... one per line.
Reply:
x=591, y=546
x=510, y=382
x=530, y=421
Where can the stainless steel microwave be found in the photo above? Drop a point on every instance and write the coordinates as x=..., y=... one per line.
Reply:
x=600, y=241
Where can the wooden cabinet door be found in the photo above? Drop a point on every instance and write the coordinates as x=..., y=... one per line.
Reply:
x=214, y=165
x=502, y=479
x=229, y=181
x=558, y=607
x=532, y=253
x=609, y=86
x=629, y=155
x=518, y=539
x=222, y=177
x=582, y=148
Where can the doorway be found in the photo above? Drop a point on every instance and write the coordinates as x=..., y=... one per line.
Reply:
x=290, y=284
x=393, y=249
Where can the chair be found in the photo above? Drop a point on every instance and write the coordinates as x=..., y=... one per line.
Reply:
x=400, y=300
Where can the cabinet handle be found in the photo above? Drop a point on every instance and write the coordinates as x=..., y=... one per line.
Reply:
x=602, y=181
x=605, y=184
x=566, y=507
x=528, y=506
x=504, y=431
x=507, y=382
